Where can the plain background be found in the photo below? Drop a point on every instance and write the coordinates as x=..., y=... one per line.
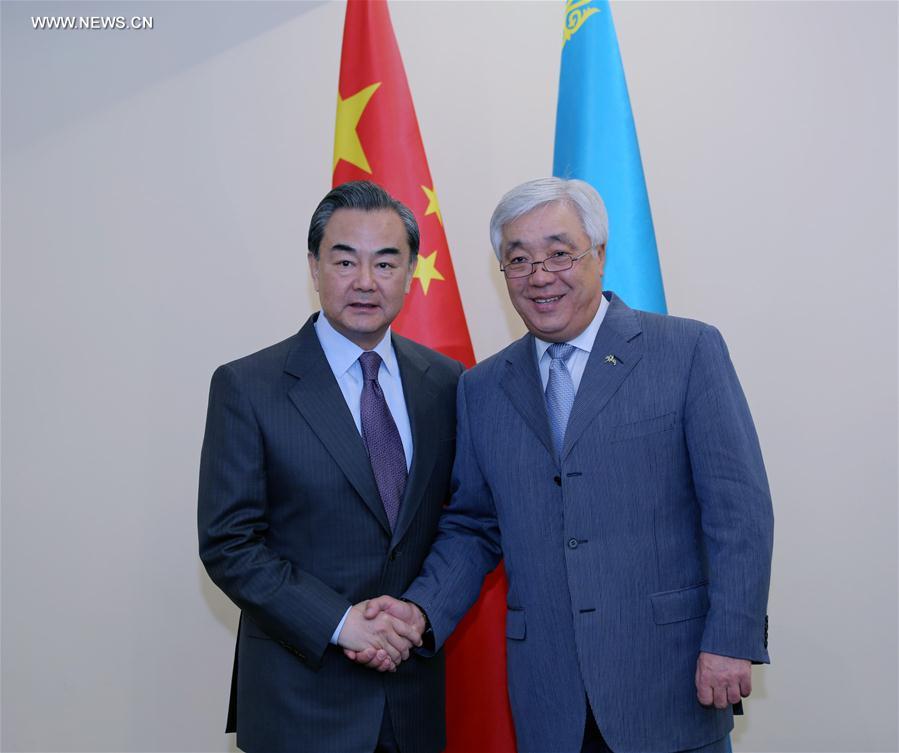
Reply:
x=157, y=187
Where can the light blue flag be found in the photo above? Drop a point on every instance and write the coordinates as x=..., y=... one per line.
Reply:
x=596, y=141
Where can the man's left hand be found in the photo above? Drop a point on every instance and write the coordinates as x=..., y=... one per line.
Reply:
x=722, y=680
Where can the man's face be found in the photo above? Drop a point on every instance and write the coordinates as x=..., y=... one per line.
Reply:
x=555, y=306
x=362, y=273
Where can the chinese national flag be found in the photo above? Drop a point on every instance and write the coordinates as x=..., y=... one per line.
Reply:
x=377, y=138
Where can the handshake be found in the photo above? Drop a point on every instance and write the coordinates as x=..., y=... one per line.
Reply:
x=380, y=633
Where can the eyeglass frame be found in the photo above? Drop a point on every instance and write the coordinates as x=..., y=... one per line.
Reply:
x=542, y=263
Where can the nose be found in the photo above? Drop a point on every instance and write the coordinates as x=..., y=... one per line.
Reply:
x=365, y=279
x=540, y=277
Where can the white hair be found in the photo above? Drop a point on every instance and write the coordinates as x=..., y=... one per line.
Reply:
x=581, y=196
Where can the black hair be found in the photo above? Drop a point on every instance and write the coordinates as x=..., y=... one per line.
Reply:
x=367, y=196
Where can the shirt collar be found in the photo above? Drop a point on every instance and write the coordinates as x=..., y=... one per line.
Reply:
x=583, y=341
x=342, y=353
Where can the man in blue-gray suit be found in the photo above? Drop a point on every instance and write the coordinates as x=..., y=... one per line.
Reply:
x=610, y=458
x=325, y=467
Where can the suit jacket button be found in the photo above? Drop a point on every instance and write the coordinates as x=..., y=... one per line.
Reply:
x=572, y=543
x=558, y=480
x=393, y=554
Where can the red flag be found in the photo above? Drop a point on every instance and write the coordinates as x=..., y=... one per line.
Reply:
x=377, y=138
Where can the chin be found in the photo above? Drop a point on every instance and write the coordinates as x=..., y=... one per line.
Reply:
x=364, y=323
x=543, y=334
x=547, y=327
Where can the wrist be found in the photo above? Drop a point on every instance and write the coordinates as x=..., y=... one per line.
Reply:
x=427, y=632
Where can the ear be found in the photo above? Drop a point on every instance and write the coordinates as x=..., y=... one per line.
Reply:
x=601, y=256
x=410, y=273
x=313, y=270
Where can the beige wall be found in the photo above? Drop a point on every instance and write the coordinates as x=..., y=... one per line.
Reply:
x=156, y=189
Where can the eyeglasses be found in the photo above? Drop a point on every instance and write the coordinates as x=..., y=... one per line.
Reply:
x=555, y=263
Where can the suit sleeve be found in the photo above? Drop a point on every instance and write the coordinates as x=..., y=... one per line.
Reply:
x=467, y=547
x=291, y=606
x=732, y=488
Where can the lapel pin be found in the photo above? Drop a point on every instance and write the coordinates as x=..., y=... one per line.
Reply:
x=611, y=359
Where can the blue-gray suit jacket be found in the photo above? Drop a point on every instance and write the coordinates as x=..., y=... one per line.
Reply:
x=292, y=529
x=648, y=541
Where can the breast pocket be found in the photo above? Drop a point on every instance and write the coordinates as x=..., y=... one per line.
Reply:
x=643, y=428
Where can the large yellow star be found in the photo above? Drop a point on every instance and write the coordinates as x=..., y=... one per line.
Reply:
x=346, y=141
x=427, y=271
x=433, y=206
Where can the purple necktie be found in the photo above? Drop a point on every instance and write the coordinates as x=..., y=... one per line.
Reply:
x=385, y=448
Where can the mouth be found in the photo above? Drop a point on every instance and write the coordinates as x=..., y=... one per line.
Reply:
x=547, y=301
x=362, y=306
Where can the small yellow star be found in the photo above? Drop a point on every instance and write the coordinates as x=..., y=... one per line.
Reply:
x=433, y=206
x=427, y=271
x=346, y=141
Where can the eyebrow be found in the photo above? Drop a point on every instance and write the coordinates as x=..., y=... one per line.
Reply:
x=388, y=251
x=556, y=238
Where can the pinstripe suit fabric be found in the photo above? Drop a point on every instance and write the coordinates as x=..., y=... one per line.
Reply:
x=648, y=541
x=292, y=529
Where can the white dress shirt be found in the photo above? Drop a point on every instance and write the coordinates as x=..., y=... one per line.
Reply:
x=343, y=358
x=583, y=344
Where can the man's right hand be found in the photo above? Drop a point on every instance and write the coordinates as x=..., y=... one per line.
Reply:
x=403, y=612
x=382, y=637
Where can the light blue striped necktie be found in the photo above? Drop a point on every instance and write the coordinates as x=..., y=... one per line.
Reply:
x=559, y=392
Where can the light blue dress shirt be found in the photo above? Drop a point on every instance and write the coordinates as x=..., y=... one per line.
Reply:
x=343, y=358
x=583, y=344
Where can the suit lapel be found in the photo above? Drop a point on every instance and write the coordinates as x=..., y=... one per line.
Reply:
x=420, y=395
x=521, y=383
x=317, y=396
x=617, y=338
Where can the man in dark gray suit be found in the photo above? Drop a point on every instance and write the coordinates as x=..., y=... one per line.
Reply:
x=609, y=456
x=325, y=466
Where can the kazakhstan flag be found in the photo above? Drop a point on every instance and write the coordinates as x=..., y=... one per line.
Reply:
x=596, y=141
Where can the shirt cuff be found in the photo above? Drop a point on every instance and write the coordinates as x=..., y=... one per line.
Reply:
x=336, y=634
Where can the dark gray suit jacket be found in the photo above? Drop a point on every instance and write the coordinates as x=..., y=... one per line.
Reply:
x=292, y=529
x=648, y=540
